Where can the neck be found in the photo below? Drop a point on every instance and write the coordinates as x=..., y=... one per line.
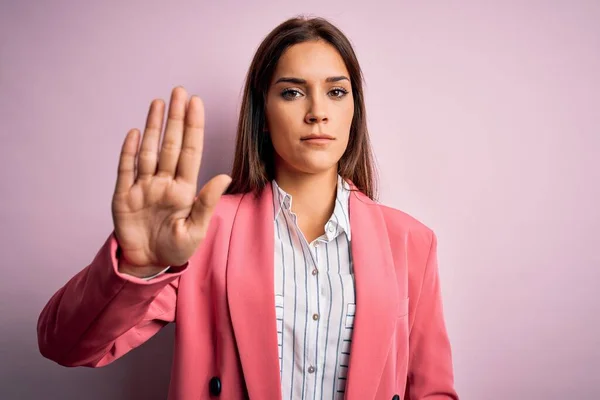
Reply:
x=313, y=194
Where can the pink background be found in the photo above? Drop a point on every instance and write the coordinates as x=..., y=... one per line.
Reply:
x=485, y=119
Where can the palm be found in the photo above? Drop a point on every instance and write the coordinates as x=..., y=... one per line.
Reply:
x=158, y=218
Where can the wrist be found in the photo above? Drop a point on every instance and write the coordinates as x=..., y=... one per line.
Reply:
x=139, y=272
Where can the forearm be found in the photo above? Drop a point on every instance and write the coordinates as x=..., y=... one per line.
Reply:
x=100, y=306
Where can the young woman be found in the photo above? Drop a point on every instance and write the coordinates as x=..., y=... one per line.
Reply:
x=287, y=280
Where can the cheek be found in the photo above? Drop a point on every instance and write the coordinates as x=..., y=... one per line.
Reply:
x=279, y=110
x=345, y=117
x=275, y=115
x=283, y=124
x=343, y=110
x=349, y=112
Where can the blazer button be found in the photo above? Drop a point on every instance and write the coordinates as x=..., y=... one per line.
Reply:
x=214, y=386
x=396, y=397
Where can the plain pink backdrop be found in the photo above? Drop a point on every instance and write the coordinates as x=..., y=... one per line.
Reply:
x=485, y=118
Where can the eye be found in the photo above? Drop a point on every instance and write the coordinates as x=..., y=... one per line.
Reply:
x=338, y=92
x=291, y=94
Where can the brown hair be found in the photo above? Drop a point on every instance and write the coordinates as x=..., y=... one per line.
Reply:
x=253, y=164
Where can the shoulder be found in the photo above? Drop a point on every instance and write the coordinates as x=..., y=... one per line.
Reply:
x=413, y=246
x=221, y=221
x=400, y=220
x=404, y=228
x=227, y=206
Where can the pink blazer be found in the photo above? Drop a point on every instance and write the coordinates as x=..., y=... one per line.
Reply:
x=223, y=304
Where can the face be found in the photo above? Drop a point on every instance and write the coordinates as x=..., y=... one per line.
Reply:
x=309, y=108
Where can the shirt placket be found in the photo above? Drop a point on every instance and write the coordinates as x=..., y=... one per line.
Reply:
x=313, y=368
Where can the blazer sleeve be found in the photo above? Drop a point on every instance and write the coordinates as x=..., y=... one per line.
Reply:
x=100, y=314
x=430, y=370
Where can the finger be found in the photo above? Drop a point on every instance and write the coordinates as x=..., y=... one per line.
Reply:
x=205, y=203
x=149, y=150
x=171, y=144
x=188, y=165
x=126, y=170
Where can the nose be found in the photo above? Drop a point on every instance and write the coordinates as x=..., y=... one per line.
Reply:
x=312, y=118
x=316, y=114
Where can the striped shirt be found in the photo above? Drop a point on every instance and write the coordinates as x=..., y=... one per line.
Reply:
x=314, y=300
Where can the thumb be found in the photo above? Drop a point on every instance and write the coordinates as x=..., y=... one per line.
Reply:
x=205, y=203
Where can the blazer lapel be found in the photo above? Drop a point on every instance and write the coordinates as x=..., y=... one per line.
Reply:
x=376, y=297
x=250, y=294
x=251, y=297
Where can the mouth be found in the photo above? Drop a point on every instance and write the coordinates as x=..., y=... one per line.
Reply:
x=317, y=138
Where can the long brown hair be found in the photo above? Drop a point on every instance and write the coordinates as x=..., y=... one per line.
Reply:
x=253, y=164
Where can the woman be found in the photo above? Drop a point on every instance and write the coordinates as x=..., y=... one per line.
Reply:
x=273, y=299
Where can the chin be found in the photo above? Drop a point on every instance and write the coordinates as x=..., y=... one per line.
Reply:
x=316, y=166
x=308, y=162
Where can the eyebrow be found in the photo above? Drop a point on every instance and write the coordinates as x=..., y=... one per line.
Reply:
x=300, y=81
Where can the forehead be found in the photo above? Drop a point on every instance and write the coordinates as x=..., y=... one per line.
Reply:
x=315, y=60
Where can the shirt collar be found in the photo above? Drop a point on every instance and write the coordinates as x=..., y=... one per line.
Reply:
x=338, y=222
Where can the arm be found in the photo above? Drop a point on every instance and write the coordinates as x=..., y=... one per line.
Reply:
x=430, y=374
x=101, y=314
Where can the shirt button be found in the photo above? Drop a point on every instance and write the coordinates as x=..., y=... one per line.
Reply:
x=311, y=369
x=314, y=271
x=315, y=316
x=330, y=227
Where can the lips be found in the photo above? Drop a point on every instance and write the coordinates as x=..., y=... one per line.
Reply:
x=319, y=136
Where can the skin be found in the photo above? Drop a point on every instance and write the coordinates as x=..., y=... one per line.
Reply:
x=159, y=217
x=310, y=93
